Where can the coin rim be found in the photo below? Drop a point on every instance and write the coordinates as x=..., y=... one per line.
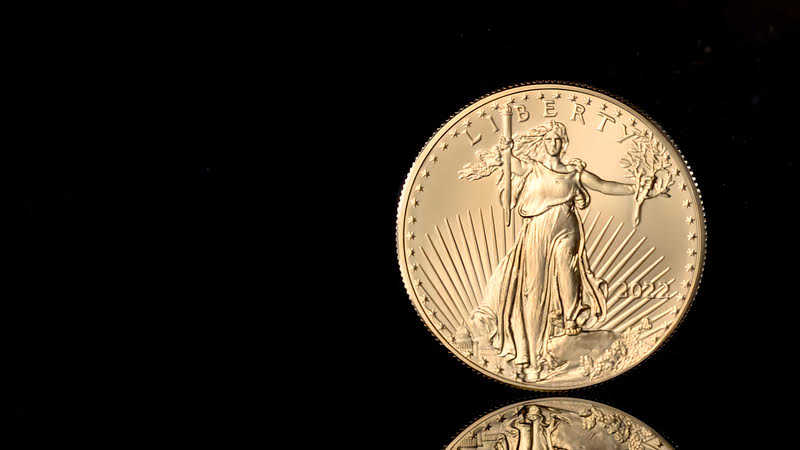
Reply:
x=508, y=90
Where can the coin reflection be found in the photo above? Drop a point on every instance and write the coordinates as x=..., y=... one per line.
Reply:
x=558, y=423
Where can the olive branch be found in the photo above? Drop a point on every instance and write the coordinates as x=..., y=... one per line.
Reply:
x=623, y=429
x=647, y=164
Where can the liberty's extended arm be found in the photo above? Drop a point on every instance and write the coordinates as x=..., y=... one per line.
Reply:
x=598, y=184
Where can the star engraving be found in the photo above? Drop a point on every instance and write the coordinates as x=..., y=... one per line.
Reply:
x=444, y=145
x=691, y=236
x=603, y=106
x=691, y=252
x=485, y=361
x=677, y=172
x=618, y=113
x=690, y=267
x=453, y=133
x=513, y=100
x=541, y=96
x=686, y=203
x=410, y=252
x=684, y=186
x=419, y=188
x=557, y=95
x=686, y=284
x=423, y=298
x=682, y=297
x=633, y=122
x=469, y=352
x=410, y=235
x=524, y=98
x=481, y=113
x=689, y=220
x=495, y=106
x=434, y=158
x=466, y=123
x=588, y=101
x=425, y=173
x=499, y=370
x=500, y=419
x=414, y=267
x=442, y=327
x=412, y=219
x=417, y=283
x=573, y=98
x=414, y=202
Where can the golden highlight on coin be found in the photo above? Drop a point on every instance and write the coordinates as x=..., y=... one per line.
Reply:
x=550, y=236
x=552, y=423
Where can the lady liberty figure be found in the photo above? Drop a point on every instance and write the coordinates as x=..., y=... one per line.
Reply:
x=544, y=281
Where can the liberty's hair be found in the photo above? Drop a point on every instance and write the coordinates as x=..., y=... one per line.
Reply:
x=528, y=147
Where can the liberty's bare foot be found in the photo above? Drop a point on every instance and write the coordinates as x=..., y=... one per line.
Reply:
x=571, y=328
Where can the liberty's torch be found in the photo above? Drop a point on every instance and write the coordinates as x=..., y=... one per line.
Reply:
x=505, y=114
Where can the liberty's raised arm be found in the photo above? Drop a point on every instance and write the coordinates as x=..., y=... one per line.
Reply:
x=517, y=167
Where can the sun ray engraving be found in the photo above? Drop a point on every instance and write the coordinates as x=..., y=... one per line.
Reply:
x=584, y=215
x=616, y=253
x=636, y=265
x=620, y=311
x=638, y=277
x=465, y=311
x=479, y=289
x=606, y=247
x=490, y=267
x=482, y=266
x=591, y=227
x=616, y=313
x=599, y=237
x=649, y=289
x=465, y=264
x=457, y=314
x=473, y=299
x=635, y=319
x=625, y=259
x=452, y=270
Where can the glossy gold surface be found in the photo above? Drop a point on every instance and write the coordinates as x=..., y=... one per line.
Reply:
x=550, y=236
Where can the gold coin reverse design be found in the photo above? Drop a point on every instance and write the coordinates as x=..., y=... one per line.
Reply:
x=550, y=236
x=553, y=423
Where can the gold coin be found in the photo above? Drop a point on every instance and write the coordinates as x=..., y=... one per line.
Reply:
x=550, y=236
x=552, y=423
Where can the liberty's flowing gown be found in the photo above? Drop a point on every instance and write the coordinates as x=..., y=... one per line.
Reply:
x=545, y=278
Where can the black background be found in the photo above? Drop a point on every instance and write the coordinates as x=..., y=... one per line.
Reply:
x=715, y=78
x=169, y=221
